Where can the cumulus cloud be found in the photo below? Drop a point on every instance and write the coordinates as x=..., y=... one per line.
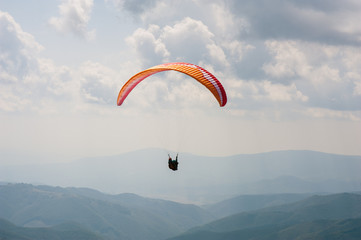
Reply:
x=17, y=65
x=148, y=45
x=323, y=72
x=26, y=79
x=74, y=18
x=31, y=83
x=187, y=40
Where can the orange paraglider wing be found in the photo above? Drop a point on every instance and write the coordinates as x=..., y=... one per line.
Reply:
x=196, y=72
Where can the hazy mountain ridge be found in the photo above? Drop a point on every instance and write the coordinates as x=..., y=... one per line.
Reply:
x=64, y=231
x=245, y=203
x=335, y=216
x=118, y=217
x=200, y=179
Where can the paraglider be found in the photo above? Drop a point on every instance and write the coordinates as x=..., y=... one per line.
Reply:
x=173, y=164
x=198, y=73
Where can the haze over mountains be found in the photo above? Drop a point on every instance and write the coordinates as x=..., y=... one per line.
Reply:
x=271, y=195
x=199, y=179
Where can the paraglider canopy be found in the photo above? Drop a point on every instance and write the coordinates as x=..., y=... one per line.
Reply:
x=196, y=72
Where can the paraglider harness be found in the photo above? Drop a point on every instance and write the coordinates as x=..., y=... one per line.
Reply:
x=173, y=164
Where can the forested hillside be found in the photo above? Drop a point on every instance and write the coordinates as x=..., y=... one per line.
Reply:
x=44, y=212
x=124, y=216
x=335, y=216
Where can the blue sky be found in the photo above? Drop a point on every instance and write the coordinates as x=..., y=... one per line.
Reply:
x=291, y=69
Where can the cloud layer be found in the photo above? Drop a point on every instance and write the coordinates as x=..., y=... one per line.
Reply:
x=290, y=57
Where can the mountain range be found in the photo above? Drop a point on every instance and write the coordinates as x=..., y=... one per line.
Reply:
x=200, y=179
x=124, y=216
x=46, y=212
x=275, y=195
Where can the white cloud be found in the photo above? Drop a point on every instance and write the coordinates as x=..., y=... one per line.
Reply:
x=237, y=49
x=16, y=49
x=207, y=28
x=99, y=83
x=223, y=22
x=31, y=83
x=74, y=18
x=188, y=40
x=265, y=92
x=17, y=63
x=352, y=62
x=147, y=44
x=289, y=60
x=217, y=55
x=325, y=75
x=328, y=75
x=279, y=92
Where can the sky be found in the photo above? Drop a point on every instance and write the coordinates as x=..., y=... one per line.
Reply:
x=291, y=70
